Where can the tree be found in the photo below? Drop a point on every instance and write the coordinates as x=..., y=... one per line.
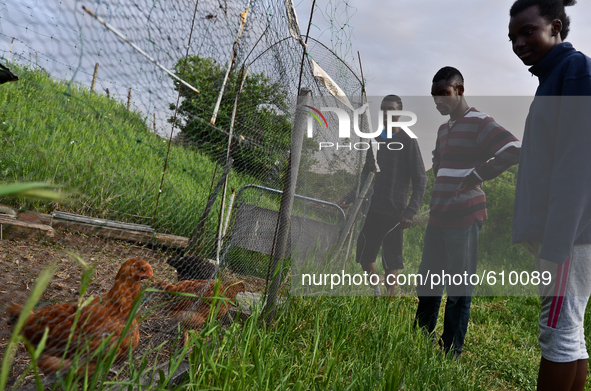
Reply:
x=262, y=126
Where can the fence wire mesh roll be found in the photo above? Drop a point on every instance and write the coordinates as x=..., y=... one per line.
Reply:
x=162, y=187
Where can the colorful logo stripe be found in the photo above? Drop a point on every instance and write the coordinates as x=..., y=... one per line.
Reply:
x=315, y=116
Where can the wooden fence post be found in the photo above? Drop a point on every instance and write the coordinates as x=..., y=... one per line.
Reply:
x=10, y=50
x=94, y=77
x=285, y=209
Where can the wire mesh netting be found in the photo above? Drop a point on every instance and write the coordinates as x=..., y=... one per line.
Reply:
x=168, y=129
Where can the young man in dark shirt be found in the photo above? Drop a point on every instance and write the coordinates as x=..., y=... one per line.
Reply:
x=390, y=210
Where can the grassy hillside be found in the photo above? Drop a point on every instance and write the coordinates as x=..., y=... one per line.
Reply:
x=62, y=133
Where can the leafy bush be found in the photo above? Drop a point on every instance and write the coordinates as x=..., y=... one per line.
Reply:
x=262, y=126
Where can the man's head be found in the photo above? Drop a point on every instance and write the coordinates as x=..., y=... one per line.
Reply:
x=537, y=26
x=389, y=103
x=447, y=90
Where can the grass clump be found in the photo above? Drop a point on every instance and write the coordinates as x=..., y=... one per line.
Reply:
x=343, y=343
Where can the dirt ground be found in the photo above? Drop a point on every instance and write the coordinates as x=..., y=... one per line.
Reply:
x=21, y=261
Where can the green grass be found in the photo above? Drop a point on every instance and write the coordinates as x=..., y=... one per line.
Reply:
x=501, y=350
x=359, y=343
x=502, y=340
x=328, y=343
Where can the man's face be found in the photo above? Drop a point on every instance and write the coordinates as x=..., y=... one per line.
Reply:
x=447, y=95
x=533, y=36
x=387, y=106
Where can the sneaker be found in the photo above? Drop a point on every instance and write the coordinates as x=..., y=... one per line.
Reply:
x=377, y=292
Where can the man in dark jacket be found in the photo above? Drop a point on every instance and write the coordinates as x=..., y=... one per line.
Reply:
x=390, y=211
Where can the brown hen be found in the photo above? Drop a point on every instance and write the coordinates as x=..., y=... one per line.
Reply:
x=100, y=321
x=192, y=312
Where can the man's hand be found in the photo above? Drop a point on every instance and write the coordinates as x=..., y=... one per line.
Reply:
x=466, y=187
x=471, y=181
x=405, y=223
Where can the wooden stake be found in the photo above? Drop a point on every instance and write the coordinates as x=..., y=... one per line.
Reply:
x=10, y=50
x=94, y=77
x=361, y=69
x=154, y=123
x=129, y=99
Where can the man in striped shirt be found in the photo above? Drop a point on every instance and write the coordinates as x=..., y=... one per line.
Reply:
x=470, y=148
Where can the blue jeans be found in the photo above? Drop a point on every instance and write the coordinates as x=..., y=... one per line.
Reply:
x=448, y=252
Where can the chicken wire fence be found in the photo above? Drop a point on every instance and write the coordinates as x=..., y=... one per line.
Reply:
x=173, y=146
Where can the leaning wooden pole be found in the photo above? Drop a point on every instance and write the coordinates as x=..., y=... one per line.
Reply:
x=117, y=33
x=243, y=16
x=274, y=273
x=359, y=161
x=280, y=250
x=242, y=78
x=10, y=50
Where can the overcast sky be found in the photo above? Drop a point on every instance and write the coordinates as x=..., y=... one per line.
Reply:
x=403, y=43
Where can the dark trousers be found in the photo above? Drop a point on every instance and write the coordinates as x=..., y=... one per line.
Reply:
x=381, y=231
x=453, y=252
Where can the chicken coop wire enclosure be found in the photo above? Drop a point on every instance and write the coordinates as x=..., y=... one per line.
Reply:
x=333, y=158
x=152, y=169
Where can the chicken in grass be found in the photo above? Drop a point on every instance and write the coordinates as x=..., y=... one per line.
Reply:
x=98, y=325
x=192, y=312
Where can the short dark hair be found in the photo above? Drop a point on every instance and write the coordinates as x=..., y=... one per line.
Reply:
x=549, y=9
x=392, y=98
x=449, y=73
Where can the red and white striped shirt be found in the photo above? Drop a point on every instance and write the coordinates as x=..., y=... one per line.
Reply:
x=474, y=143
